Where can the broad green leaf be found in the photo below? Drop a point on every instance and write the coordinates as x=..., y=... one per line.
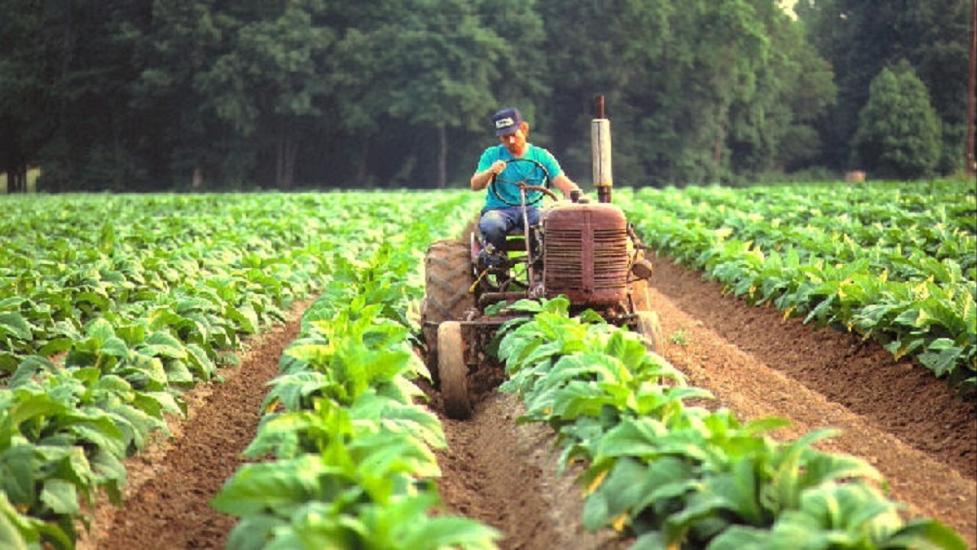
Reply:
x=925, y=533
x=164, y=345
x=942, y=356
x=16, y=530
x=636, y=437
x=253, y=531
x=60, y=496
x=402, y=418
x=14, y=324
x=446, y=532
x=97, y=429
x=27, y=368
x=18, y=473
x=618, y=493
x=33, y=405
x=199, y=363
x=737, y=537
x=100, y=329
x=55, y=346
x=154, y=403
x=178, y=373
x=115, y=346
x=277, y=487
x=383, y=453
x=245, y=316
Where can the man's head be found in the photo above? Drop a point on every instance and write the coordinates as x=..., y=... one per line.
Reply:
x=511, y=129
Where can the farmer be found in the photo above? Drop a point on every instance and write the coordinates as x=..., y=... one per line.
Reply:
x=500, y=216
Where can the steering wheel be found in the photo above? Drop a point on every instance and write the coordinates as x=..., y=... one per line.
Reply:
x=532, y=170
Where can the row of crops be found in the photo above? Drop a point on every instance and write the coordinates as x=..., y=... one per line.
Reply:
x=112, y=306
x=346, y=440
x=893, y=262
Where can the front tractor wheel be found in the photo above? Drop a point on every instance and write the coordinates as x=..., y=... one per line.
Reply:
x=647, y=325
x=454, y=371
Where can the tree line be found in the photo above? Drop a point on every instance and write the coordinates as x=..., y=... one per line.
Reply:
x=147, y=95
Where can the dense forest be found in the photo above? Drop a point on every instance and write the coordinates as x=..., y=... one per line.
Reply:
x=151, y=95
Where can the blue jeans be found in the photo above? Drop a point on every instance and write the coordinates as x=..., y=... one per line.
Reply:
x=495, y=224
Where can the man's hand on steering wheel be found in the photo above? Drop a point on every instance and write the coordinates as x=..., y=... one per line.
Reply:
x=497, y=168
x=525, y=177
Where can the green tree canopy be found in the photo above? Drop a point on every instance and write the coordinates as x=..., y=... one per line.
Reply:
x=861, y=37
x=898, y=132
x=131, y=95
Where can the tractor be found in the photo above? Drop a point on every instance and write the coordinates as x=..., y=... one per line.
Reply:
x=586, y=251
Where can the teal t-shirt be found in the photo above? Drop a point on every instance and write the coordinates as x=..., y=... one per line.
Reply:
x=517, y=171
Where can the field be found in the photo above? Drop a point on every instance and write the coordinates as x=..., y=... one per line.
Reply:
x=123, y=317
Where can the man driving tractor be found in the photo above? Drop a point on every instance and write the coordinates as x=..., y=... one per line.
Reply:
x=503, y=210
x=584, y=251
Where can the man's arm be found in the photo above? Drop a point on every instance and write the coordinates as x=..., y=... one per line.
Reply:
x=565, y=184
x=480, y=180
x=562, y=182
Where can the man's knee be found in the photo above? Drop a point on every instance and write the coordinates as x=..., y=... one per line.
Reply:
x=492, y=227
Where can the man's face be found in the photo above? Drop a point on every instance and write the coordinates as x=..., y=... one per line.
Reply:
x=515, y=142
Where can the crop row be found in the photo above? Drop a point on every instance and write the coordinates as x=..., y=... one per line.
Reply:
x=936, y=219
x=111, y=306
x=672, y=475
x=347, y=448
x=893, y=262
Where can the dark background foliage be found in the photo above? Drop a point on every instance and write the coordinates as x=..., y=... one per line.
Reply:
x=145, y=95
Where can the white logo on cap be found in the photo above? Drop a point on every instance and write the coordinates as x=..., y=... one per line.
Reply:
x=504, y=122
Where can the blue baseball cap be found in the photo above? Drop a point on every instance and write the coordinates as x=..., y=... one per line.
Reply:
x=507, y=121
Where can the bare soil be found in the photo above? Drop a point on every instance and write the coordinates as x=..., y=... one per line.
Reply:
x=919, y=434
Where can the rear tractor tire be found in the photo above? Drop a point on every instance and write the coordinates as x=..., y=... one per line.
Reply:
x=453, y=370
x=448, y=275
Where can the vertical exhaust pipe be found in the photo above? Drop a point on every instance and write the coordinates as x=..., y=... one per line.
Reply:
x=600, y=144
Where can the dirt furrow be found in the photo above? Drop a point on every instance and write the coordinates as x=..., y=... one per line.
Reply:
x=171, y=484
x=505, y=475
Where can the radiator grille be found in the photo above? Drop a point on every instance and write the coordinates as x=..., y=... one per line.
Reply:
x=564, y=260
x=610, y=258
x=589, y=264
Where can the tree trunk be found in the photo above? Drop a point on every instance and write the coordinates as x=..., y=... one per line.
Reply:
x=363, y=166
x=17, y=179
x=442, y=158
x=717, y=153
x=285, y=156
x=971, y=162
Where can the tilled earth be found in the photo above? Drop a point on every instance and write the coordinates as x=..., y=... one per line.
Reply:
x=918, y=433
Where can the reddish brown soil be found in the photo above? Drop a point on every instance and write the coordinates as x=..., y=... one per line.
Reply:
x=917, y=432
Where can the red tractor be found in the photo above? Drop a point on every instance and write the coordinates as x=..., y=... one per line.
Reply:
x=585, y=251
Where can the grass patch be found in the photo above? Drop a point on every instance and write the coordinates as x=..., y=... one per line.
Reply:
x=679, y=338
